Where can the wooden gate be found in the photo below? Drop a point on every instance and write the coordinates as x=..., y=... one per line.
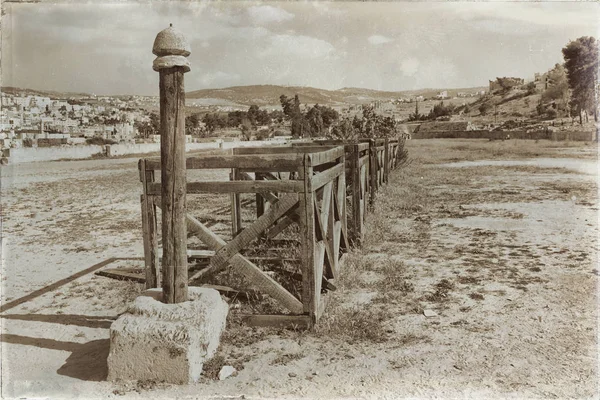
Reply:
x=313, y=197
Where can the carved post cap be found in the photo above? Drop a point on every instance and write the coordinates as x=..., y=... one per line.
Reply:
x=172, y=48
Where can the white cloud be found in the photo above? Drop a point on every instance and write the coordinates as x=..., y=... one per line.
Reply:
x=376, y=40
x=267, y=14
x=410, y=66
x=218, y=78
x=297, y=45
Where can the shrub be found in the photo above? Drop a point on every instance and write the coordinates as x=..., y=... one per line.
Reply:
x=551, y=113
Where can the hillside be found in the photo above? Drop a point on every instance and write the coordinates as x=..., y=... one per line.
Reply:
x=516, y=104
x=269, y=94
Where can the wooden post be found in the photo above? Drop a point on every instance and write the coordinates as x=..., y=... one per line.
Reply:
x=373, y=170
x=149, y=228
x=260, y=201
x=171, y=49
x=236, y=206
x=386, y=160
x=310, y=299
x=357, y=218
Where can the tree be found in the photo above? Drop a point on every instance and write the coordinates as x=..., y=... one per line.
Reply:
x=314, y=121
x=440, y=110
x=291, y=108
x=558, y=87
x=344, y=129
x=211, y=121
x=581, y=63
x=246, y=128
x=329, y=115
x=192, y=124
x=416, y=116
x=484, y=108
x=155, y=123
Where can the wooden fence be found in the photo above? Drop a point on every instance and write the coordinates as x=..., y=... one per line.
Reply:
x=310, y=185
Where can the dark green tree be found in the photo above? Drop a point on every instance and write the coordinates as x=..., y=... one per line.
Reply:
x=581, y=63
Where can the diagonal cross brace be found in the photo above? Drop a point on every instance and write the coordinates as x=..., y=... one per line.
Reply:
x=244, y=266
x=278, y=209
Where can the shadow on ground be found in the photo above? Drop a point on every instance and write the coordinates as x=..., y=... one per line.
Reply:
x=87, y=360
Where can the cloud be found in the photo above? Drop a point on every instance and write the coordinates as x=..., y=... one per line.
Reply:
x=217, y=79
x=297, y=45
x=267, y=14
x=410, y=66
x=376, y=40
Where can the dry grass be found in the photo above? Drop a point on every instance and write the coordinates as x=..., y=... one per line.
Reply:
x=285, y=359
x=356, y=324
x=453, y=150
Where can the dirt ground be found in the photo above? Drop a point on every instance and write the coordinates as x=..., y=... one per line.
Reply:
x=498, y=241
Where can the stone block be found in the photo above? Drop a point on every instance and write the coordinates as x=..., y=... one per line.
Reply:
x=166, y=342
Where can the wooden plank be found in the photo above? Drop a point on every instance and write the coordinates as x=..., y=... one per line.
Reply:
x=279, y=227
x=363, y=160
x=386, y=161
x=363, y=147
x=337, y=235
x=260, y=200
x=326, y=284
x=284, y=186
x=326, y=156
x=277, y=321
x=149, y=230
x=307, y=234
x=295, y=148
x=122, y=274
x=341, y=205
x=200, y=254
x=321, y=236
x=236, y=206
x=363, y=194
x=325, y=298
x=270, y=197
x=273, y=260
x=173, y=182
x=326, y=203
x=356, y=192
x=276, y=162
x=318, y=268
x=242, y=265
x=373, y=173
x=252, y=232
x=322, y=178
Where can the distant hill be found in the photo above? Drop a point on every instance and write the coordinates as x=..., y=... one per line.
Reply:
x=269, y=94
x=46, y=93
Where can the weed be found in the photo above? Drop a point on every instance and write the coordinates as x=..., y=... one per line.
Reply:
x=468, y=280
x=441, y=293
x=212, y=367
x=354, y=324
x=476, y=296
x=285, y=359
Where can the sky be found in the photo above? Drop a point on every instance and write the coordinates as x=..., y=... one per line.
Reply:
x=394, y=46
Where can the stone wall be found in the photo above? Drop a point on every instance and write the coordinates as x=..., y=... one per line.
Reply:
x=496, y=135
x=32, y=154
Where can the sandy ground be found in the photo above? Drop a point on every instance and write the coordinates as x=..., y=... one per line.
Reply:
x=504, y=251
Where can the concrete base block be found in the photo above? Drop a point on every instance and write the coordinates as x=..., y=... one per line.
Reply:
x=166, y=342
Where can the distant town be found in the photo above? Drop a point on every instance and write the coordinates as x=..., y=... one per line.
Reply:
x=29, y=119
